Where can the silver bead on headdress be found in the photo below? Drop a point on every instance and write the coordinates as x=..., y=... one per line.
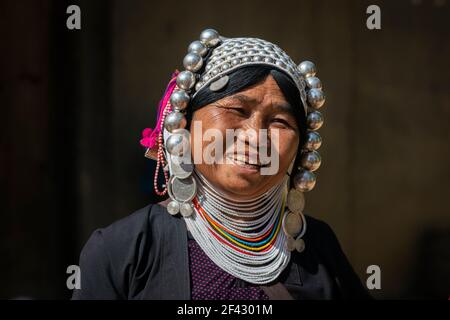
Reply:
x=223, y=56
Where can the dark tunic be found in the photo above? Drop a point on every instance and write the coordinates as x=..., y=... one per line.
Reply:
x=145, y=256
x=210, y=282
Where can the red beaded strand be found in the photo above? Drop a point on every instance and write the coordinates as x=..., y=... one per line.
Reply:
x=161, y=161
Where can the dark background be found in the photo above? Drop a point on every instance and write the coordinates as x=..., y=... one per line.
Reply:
x=74, y=102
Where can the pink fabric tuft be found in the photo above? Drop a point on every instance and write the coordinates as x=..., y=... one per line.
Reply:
x=150, y=136
x=148, y=140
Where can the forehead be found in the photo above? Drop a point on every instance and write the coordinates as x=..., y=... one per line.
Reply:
x=264, y=91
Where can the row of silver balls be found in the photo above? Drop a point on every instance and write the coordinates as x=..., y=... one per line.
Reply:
x=304, y=180
x=179, y=101
x=186, y=80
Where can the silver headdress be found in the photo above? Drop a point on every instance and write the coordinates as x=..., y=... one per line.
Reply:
x=208, y=62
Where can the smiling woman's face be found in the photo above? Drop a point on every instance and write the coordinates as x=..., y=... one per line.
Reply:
x=261, y=106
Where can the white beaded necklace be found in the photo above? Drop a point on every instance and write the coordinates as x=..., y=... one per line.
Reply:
x=259, y=267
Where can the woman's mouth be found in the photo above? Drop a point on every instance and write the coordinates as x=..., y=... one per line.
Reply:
x=245, y=162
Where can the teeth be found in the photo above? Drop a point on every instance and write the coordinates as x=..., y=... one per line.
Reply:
x=241, y=158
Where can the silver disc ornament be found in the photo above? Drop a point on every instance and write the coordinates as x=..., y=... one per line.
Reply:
x=180, y=168
x=182, y=190
x=292, y=224
x=296, y=200
x=299, y=244
x=290, y=243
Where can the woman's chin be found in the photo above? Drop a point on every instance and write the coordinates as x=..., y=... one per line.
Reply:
x=235, y=180
x=242, y=181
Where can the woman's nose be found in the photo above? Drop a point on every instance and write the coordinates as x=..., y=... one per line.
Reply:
x=257, y=125
x=256, y=121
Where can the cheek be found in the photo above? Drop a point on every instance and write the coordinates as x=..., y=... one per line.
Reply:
x=210, y=118
x=209, y=121
x=288, y=146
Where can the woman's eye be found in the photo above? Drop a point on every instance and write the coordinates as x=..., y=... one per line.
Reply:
x=237, y=109
x=282, y=121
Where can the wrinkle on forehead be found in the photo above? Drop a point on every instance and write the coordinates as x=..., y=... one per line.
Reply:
x=266, y=92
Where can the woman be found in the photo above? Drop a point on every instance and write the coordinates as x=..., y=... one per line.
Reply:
x=233, y=227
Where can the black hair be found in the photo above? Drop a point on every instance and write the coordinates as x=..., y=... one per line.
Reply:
x=246, y=77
